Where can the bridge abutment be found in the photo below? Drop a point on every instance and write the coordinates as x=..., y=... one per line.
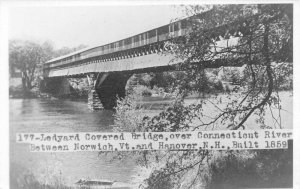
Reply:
x=94, y=102
x=58, y=86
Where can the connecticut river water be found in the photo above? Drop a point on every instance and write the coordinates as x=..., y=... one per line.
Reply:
x=45, y=115
x=38, y=115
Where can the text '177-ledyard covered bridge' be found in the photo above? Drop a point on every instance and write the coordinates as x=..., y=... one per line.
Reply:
x=108, y=67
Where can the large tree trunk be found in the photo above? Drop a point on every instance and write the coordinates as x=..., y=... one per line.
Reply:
x=28, y=81
x=24, y=81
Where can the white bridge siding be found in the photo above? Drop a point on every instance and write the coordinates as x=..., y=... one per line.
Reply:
x=140, y=51
x=129, y=64
x=134, y=61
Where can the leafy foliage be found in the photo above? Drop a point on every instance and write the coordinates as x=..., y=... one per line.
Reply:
x=29, y=56
x=128, y=115
x=257, y=37
x=252, y=36
x=258, y=40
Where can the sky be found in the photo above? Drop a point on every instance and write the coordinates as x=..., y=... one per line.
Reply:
x=71, y=26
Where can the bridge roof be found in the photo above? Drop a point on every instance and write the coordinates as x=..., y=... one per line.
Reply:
x=70, y=54
x=96, y=46
x=89, y=48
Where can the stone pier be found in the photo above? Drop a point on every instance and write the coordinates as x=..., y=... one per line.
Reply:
x=94, y=102
x=104, y=88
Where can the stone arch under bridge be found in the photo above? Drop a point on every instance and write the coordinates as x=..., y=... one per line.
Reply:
x=104, y=88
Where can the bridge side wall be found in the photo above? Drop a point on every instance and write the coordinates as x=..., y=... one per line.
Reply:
x=128, y=64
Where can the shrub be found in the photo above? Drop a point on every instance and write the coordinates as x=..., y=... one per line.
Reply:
x=146, y=93
x=128, y=115
x=227, y=89
x=218, y=86
x=141, y=91
x=261, y=168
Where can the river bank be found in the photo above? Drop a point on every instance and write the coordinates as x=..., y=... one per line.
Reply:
x=19, y=93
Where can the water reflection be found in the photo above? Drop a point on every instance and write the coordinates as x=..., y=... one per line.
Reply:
x=36, y=115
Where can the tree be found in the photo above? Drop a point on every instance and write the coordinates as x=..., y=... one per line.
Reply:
x=27, y=57
x=259, y=37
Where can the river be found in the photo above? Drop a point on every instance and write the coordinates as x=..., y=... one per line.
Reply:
x=45, y=115
x=38, y=115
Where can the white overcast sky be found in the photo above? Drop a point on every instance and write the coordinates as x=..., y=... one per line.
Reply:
x=90, y=25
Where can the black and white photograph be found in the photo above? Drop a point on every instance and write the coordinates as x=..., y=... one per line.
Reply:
x=149, y=95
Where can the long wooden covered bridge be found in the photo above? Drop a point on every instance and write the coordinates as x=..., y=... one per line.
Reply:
x=108, y=67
